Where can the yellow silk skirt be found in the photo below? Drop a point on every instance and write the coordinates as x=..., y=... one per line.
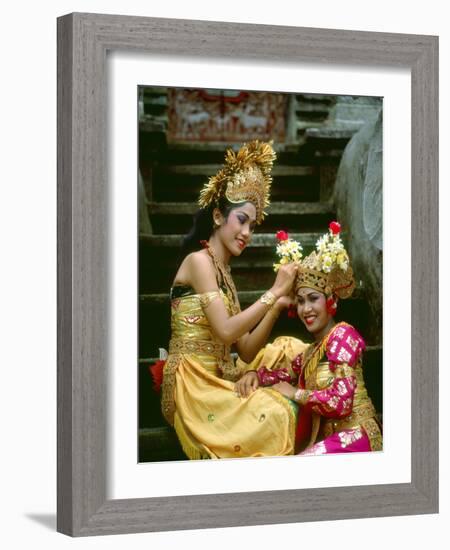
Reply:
x=212, y=421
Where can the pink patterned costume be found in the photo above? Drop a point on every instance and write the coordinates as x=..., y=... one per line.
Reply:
x=336, y=413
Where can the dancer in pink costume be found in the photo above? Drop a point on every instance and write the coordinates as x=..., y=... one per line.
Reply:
x=336, y=415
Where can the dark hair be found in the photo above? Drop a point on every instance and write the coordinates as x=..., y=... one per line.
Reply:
x=203, y=224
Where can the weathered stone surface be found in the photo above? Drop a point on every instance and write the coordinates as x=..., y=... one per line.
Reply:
x=297, y=208
x=152, y=124
x=358, y=199
x=246, y=297
x=212, y=169
x=351, y=111
x=331, y=132
x=259, y=240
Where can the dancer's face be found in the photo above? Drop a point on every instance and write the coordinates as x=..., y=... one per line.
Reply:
x=237, y=230
x=312, y=311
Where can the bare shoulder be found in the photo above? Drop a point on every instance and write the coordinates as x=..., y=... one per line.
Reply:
x=197, y=270
x=198, y=262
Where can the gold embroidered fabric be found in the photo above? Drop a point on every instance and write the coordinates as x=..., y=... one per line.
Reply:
x=304, y=397
x=356, y=418
x=277, y=355
x=327, y=269
x=373, y=432
x=200, y=401
x=180, y=345
x=315, y=353
x=363, y=412
x=208, y=297
x=168, y=387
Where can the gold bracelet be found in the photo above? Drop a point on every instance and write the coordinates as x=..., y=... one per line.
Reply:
x=299, y=396
x=268, y=299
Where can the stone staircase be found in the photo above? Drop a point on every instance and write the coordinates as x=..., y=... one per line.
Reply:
x=173, y=175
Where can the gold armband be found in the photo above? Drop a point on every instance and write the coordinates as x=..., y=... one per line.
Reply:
x=207, y=298
x=268, y=299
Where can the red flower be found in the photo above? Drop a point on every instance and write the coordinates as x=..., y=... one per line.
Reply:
x=292, y=312
x=156, y=370
x=331, y=306
x=335, y=228
x=282, y=236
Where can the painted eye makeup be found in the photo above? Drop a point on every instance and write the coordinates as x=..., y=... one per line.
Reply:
x=309, y=297
x=243, y=219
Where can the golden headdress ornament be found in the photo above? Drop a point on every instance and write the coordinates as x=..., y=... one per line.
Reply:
x=327, y=269
x=245, y=176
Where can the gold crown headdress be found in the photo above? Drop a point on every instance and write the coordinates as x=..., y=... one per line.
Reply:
x=327, y=269
x=244, y=177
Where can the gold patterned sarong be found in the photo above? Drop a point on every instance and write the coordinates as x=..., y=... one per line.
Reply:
x=210, y=419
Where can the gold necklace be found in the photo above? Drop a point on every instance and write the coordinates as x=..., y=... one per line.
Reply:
x=313, y=357
x=224, y=278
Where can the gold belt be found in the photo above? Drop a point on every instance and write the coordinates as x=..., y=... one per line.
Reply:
x=178, y=345
x=220, y=352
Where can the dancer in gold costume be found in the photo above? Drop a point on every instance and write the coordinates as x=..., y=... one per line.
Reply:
x=210, y=400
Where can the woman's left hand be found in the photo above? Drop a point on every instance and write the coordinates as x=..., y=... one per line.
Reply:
x=285, y=389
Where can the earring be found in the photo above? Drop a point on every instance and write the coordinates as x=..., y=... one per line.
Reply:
x=292, y=312
x=331, y=306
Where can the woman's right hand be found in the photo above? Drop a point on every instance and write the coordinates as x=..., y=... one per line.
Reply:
x=285, y=279
x=247, y=384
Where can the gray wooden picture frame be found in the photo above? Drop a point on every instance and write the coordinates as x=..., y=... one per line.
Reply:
x=83, y=42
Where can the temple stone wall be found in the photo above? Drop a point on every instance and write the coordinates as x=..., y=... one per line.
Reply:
x=358, y=200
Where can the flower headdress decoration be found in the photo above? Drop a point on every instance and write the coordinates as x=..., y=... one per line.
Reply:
x=288, y=250
x=327, y=269
x=245, y=176
x=331, y=251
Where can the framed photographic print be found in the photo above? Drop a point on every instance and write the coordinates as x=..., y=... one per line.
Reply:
x=183, y=133
x=174, y=123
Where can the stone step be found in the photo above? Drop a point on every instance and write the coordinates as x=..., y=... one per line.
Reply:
x=155, y=99
x=211, y=169
x=303, y=125
x=331, y=133
x=328, y=100
x=259, y=240
x=176, y=217
x=246, y=297
x=183, y=184
x=308, y=108
x=221, y=146
x=159, y=444
x=276, y=208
